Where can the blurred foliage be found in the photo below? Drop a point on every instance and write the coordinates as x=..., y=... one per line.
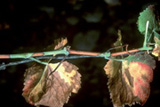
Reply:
x=90, y=25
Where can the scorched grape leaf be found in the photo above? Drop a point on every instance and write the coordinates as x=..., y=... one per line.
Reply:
x=34, y=83
x=128, y=81
x=53, y=90
x=156, y=50
x=119, y=39
x=58, y=44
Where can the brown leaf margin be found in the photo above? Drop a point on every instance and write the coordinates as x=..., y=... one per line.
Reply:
x=120, y=81
x=53, y=89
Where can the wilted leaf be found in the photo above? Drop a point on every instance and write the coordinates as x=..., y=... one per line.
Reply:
x=33, y=77
x=129, y=80
x=147, y=15
x=53, y=90
x=119, y=39
x=156, y=50
x=60, y=43
x=118, y=43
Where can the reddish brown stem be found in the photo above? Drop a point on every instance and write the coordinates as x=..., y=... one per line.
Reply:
x=125, y=52
x=83, y=53
x=96, y=53
x=79, y=53
x=4, y=56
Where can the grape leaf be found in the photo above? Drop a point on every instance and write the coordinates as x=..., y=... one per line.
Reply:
x=33, y=79
x=41, y=88
x=128, y=81
x=119, y=39
x=147, y=15
x=156, y=50
x=58, y=44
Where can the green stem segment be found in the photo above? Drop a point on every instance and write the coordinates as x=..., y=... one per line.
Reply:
x=29, y=55
x=36, y=60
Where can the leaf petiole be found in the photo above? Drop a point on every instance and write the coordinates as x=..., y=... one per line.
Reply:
x=146, y=33
x=37, y=60
x=145, y=48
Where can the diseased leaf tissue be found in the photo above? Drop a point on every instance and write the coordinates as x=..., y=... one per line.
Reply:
x=128, y=80
x=44, y=86
x=53, y=90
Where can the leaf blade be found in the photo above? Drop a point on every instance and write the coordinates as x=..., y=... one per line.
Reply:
x=129, y=80
x=52, y=89
x=147, y=15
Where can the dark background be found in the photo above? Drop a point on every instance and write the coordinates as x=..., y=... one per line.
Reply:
x=89, y=25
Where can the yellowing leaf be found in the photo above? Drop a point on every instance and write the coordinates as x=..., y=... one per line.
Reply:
x=129, y=80
x=54, y=89
x=119, y=39
x=60, y=43
x=138, y=77
x=156, y=50
x=34, y=84
x=68, y=72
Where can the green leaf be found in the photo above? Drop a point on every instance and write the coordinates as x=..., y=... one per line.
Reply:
x=147, y=15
